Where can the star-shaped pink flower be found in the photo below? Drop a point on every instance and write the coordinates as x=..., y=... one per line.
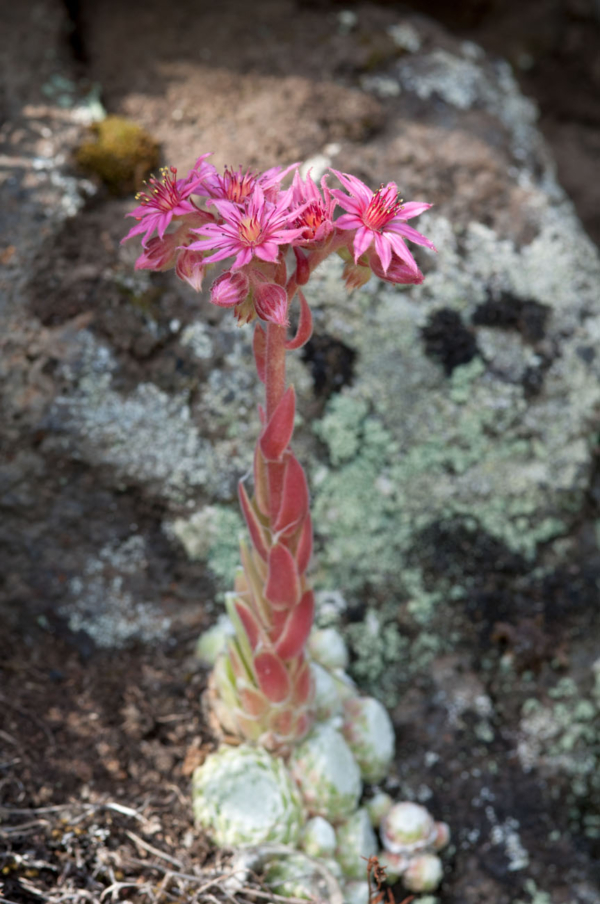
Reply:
x=257, y=229
x=379, y=218
x=165, y=198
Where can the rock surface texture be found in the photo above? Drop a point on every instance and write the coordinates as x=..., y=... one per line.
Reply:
x=463, y=412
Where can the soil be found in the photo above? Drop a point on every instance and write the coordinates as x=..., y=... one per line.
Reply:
x=98, y=747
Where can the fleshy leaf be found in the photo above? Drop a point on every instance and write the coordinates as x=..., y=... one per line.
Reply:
x=282, y=722
x=303, y=686
x=302, y=267
x=272, y=677
x=249, y=622
x=297, y=628
x=255, y=704
x=278, y=432
x=305, y=325
x=254, y=525
x=261, y=482
x=283, y=585
x=294, y=499
x=305, y=544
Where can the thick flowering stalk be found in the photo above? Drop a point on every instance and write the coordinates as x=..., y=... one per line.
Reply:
x=261, y=688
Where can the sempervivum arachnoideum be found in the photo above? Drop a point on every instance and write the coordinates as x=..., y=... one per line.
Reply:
x=369, y=733
x=327, y=774
x=243, y=795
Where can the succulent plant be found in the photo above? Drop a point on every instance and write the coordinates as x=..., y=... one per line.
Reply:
x=318, y=838
x=296, y=876
x=356, y=892
x=214, y=641
x=378, y=806
x=327, y=701
x=356, y=842
x=243, y=796
x=423, y=873
x=369, y=733
x=327, y=774
x=327, y=647
x=408, y=828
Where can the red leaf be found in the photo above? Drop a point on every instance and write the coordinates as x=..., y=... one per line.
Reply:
x=305, y=325
x=249, y=621
x=278, y=432
x=259, y=346
x=254, y=525
x=294, y=501
x=302, y=725
x=255, y=704
x=305, y=544
x=303, y=686
x=281, y=722
x=261, y=482
x=302, y=267
x=275, y=474
x=272, y=677
x=283, y=585
x=297, y=628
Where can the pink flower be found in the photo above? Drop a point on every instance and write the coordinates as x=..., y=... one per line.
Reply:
x=236, y=186
x=316, y=218
x=165, y=198
x=254, y=230
x=379, y=219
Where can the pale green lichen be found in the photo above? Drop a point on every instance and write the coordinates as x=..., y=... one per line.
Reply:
x=561, y=738
x=211, y=535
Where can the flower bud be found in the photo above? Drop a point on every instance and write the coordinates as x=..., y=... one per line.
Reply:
x=229, y=289
x=270, y=301
x=159, y=254
x=355, y=276
x=423, y=873
x=190, y=268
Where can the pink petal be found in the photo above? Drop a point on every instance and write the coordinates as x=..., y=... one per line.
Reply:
x=412, y=234
x=383, y=250
x=413, y=209
x=268, y=251
x=349, y=221
x=354, y=186
x=402, y=251
x=362, y=240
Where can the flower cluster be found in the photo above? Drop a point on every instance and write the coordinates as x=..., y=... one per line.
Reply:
x=248, y=218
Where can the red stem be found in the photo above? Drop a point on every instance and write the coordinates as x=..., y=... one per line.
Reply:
x=275, y=366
